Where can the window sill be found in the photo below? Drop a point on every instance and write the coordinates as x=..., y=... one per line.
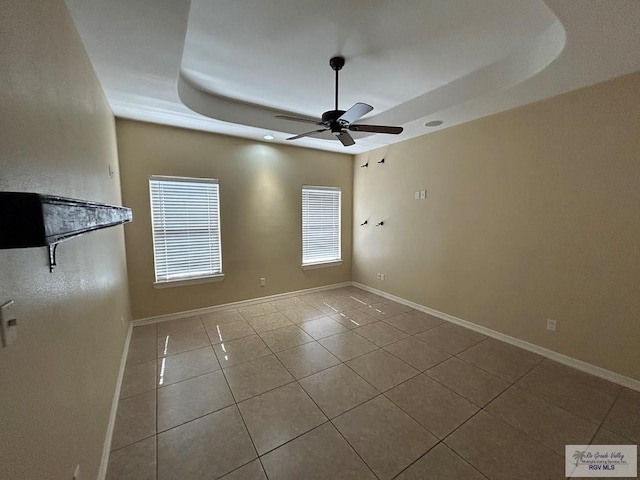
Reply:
x=189, y=281
x=313, y=266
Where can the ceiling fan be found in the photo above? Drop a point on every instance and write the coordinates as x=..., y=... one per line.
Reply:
x=340, y=121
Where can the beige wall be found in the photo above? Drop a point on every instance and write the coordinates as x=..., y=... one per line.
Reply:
x=57, y=136
x=260, y=210
x=532, y=214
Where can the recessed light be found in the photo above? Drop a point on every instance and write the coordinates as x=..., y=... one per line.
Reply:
x=433, y=123
x=268, y=137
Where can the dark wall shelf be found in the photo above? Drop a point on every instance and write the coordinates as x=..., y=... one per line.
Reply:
x=35, y=220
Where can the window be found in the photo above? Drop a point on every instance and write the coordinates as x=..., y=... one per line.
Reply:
x=320, y=225
x=185, y=218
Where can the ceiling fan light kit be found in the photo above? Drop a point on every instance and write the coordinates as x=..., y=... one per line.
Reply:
x=339, y=122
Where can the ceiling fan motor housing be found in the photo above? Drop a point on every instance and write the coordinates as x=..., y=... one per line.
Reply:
x=330, y=119
x=332, y=115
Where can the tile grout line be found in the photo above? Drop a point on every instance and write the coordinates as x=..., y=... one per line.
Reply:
x=534, y=440
x=458, y=393
x=454, y=451
x=421, y=370
x=526, y=434
x=243, y=421
x=317, y=406
x=351, y=408
x=308, y=396
x=291, y=373
x=515, y=382
x=377, y=389
x=381, y=394
x=270, y=390
x=401, y=409
x=133, y=443
x=604, y=418
x=581, y=382
x=537, y=395
x=351, y=446
x=491, y=373
x=238, y=468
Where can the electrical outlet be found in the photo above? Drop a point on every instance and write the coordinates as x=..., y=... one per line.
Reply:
x=416, y=196
x=8, y=324
x=263, y=282
x=76, y=473
x=382, y=276
x=551, y=325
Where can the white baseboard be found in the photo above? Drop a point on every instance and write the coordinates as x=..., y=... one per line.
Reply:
x=106, y=449
x=241, y=303
x=545, y=352
x=552, y=355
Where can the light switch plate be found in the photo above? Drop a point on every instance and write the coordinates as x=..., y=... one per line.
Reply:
x=8, y=324
x=416, y=196
x=423, y=194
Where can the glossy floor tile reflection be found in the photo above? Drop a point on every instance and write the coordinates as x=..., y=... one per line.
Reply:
x=345, y=384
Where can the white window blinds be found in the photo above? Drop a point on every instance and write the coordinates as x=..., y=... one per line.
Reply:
x=186, y=228
x=320, y=225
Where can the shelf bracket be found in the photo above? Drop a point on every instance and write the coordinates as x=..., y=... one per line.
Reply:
x=52, y=256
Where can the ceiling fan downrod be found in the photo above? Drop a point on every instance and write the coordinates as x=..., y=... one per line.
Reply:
x=336, y=64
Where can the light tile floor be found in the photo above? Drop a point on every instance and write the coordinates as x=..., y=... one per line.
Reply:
x=344, y=384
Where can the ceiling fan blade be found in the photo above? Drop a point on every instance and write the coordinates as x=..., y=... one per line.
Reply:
x=346, y=139
x=297, y=119
x=355, y=112
x=376, y=129
x=308, y=134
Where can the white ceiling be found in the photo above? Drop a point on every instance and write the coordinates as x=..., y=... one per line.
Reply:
x=230, y=66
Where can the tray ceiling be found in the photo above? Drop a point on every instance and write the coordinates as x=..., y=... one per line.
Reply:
x=229, y=67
